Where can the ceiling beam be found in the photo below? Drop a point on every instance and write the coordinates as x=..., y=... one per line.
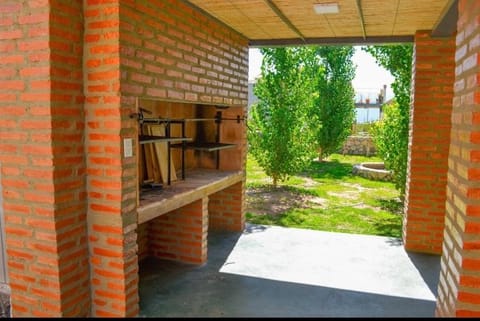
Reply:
x=205, y=13
x=362, y=20
x=446, y=25
x=353, y=41
x=280, y=14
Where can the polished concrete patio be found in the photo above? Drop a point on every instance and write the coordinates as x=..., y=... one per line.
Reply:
x=271, y=271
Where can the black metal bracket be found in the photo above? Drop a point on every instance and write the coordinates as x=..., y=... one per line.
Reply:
x=219, y=118
x=139, y=116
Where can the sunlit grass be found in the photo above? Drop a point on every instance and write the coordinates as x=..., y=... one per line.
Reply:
x=328, y=197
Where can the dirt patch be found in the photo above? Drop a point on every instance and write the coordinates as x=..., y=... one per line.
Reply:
x=351, y=194
x=275, y=201
x=309, y=182
x=358, y=187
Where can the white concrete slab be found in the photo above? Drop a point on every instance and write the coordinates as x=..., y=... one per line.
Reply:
x=364, y=263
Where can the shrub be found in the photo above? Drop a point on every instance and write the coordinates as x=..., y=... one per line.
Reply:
x=386, y=135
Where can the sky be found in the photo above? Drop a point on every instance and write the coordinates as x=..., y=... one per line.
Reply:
x=369, y=77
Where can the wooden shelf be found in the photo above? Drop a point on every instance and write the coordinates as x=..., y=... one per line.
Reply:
x=208, y=147
x=201, y=183
x=144, y=139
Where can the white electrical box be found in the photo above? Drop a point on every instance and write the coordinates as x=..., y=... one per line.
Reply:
x=128, y=147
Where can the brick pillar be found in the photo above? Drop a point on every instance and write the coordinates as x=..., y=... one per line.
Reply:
x=226, y=209
x=41, y=157
x=111, y=179
x=458, y=293
x=181, y=235
x=429, y=140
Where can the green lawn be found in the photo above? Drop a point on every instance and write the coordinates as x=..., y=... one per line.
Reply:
x=326, y=197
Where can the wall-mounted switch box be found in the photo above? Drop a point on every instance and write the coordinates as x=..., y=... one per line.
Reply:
x=127, y=147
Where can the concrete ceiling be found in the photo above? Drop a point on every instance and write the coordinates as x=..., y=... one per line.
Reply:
x=281, y=22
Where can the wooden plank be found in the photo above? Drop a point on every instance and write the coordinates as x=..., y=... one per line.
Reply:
x=161, y=153
x=151, y=161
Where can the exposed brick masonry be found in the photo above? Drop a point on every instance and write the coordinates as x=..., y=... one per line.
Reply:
x=458, y=292
x=224, y=207
x=68, y=85
x=170, y=51
x=181, y=235
x=42, y=157
x=111, y=178
x=429, y=140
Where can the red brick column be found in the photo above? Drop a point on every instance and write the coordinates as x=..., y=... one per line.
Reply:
x=226, y=209
x=429, y=141
x=458, y=294
x=41, y=157
x=111, y=179
x=181, y=235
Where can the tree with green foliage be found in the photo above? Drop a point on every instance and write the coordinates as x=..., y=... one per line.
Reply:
x=334, y=106
x=391, y=133
x=279, y=135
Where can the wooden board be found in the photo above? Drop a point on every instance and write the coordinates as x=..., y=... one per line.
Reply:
x=151, y=161
x=161, y=151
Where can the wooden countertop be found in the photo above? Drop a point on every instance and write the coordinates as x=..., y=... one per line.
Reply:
x=198, y=183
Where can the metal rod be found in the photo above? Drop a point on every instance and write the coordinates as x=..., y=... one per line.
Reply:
x=184, y=143
x=183, y=120
x=218, y=116
x=167, y=132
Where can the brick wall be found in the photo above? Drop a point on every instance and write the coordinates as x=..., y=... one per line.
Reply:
x=171, y=52
x=69, y=194
x=429, y=140
x=224, y=207
x=142, y=50
x=458, y=294
x=42, y=157
x=111, y=180
x=181, y=235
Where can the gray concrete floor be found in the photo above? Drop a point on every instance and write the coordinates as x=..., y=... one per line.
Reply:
x=269, y=271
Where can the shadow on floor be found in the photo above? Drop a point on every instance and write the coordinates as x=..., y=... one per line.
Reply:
x=170, y=289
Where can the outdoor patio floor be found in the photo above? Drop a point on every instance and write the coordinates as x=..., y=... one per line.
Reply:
x=269, y=271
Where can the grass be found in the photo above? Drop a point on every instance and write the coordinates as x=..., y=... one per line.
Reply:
x=326, y=197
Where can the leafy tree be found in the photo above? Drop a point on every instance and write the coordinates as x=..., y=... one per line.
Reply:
x=391, y=133
x=386, y=135
x=334, y=106
x=279, y=136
